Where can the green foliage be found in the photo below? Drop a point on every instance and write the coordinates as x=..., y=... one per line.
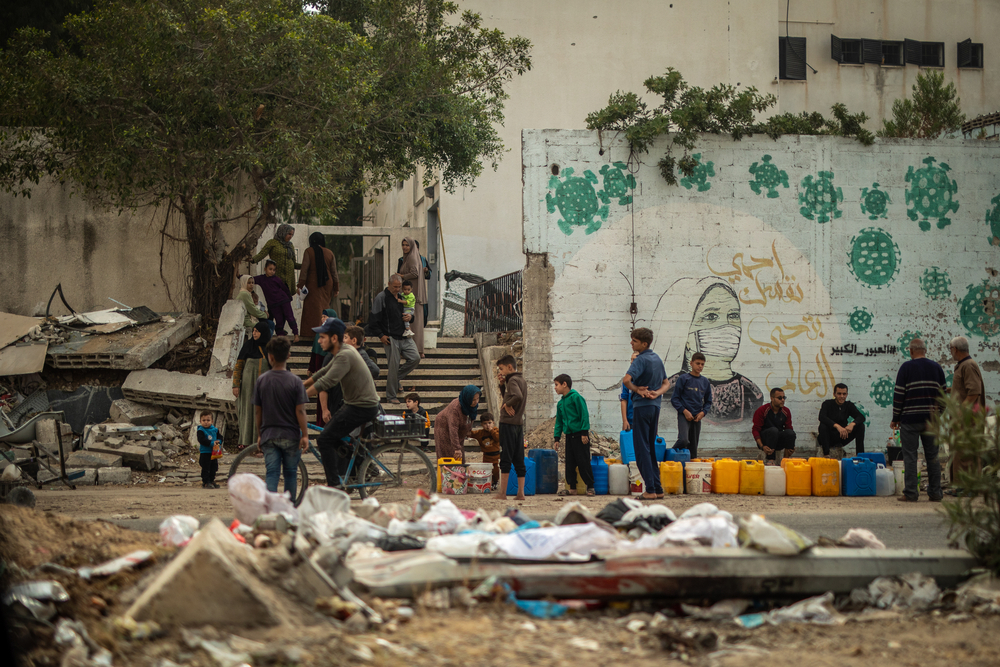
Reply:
x=934, y=110
x=47, y=16
x=975, y=515
x=843, y=124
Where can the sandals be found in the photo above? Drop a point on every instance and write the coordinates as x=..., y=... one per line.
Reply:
x=591, y=492
x=648, y=496
x=566, y=492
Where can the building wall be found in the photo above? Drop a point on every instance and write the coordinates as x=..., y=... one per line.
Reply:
x=584, y=50
x=796, y=263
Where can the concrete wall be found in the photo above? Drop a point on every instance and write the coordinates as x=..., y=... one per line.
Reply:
x=796, y=263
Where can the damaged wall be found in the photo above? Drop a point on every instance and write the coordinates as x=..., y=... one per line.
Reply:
x=796, y=263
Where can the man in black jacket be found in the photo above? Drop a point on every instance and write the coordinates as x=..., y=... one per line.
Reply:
x=834, y=431
x=386, y=323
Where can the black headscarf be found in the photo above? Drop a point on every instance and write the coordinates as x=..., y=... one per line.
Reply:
x=318, y=243
x=255, y=349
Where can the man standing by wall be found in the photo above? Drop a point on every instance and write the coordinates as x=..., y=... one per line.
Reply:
x=772, y=428
x=834, y=431
x=919, y=384
x=387, y=323
x=966, y=387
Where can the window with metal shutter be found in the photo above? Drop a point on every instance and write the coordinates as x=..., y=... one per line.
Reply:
x=837, y=48
x=969, y=54
x=792, y=58
x=872, y=51
x=912, y=52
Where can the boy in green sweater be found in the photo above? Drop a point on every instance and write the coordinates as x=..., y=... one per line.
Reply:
x=573, y=419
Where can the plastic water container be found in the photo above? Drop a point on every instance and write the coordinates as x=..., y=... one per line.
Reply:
x=885, y=481
x=546, y=470
x=529, y=479
x=660, y=449
x=774, y=481
x=682, y=456
x=898, y=477
x=874, y=457
x=825, y=476
x=480, y=477
x=454, y=479
x=618, y=479
x=672, y=477
x=600, y=469
x=751, y=478
x=698, y=478
x=726, y=476
x=857, y=477
x=798, y=477
x=625, y=445
x=447, y=461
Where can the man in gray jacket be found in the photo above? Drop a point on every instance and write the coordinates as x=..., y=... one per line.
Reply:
x=386, y=323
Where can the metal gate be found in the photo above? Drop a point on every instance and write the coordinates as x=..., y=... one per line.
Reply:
x=368, y=280
x=494, y=305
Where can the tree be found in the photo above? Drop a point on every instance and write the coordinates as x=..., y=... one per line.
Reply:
x=249, y=106
x=934, y=110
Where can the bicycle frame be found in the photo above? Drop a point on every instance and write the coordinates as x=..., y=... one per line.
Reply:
x=358, y=446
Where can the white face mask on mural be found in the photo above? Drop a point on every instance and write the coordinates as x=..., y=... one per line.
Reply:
x=721, y=342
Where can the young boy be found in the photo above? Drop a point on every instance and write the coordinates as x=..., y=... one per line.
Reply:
x=413, y=408
x=514, y=391
x=692, y=399
x=409, y=301
x=626, y=400
x=573, y=419
x=279, y=304
x=355, y=337
x=488, y=438
x=647, y=381
x=279, y=399
x=208, y=435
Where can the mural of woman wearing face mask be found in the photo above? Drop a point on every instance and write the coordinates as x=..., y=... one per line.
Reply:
x=704, y=316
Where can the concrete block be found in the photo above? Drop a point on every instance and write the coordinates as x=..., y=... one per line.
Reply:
x=114, y=442
x=211, y=581
x=140, y=458
x=181, y=390
x=140, y=414
x=114, y=476
x=158, y=459
x=229, y=338
x=45, y=433
x=89, y=477
x=92, y=459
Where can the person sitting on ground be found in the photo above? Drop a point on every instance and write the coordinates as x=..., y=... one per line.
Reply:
x=279, y=304
x=409, y=301
x=454, y=423
x=248, y=298
x=573, y=419
x=250, y=364
x=355, y=337
x=692, y=398
x=279, y=400
x=772, y=428
x=834, y=429
x=488, y=437
x=413, y=408
x=208, y=435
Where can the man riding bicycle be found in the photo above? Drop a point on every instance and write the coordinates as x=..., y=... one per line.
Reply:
x=361, y=402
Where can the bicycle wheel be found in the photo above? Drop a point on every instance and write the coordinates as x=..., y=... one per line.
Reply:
x=394, y=472
x=245, y=462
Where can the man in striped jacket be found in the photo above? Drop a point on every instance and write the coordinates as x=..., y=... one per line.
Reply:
x=919, y=385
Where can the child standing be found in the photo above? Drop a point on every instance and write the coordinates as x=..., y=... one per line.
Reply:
x=514, y=391
x=626, y=400
x=692, y=399
x=647, y=381
x=488, y=438
x=413, y=408
x=279, y=399
x=208, y=435
x=573, y=419
x=279, y=303
x=409, y=301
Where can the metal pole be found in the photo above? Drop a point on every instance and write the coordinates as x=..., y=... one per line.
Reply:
x=62, y=456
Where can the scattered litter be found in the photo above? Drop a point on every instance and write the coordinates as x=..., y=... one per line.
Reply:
x=585, y=644
x=720, y=611
x=860, y=538
x=756, y=532
x=129, y=627
x=177, y=530
x=910, y=591
x=251, y=499
x=116, y=565
x=818, y=610
x=36, y=597
x=578, y=539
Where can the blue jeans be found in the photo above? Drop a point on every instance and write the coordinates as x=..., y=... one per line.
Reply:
x=644, y=428
x=281, y=454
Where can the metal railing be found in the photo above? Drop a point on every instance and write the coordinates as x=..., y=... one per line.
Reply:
x=494, y=305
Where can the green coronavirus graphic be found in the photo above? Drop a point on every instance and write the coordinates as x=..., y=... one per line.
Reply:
x=882, y=391
x=949, y=378
x=863, y=410
x=875, y=202
x=699, y=177
x=578, y=202
x=874, y=257
x=931, y=195
x=860, y=320
x=993, y=220
x=903, y=342
x=617, y=183
x=978, y=310
x=768, y=177
x=819, y=198
x=935, y=283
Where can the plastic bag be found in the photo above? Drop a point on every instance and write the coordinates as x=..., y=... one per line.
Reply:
x=248, y=493
x=443, y=518
x=581, y=538
x=177, y=530
x=817, y=609
x=217, y=450
x=861, y=538
x=466, y=545
x=715, y=531
x=756, y=532
x=322, y=499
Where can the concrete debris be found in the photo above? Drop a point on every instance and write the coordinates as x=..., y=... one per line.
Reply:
x=139, y=414
x=132, y=348
x=93, y=459
x=180, y=390
x=229, y=337
x=114, y=476
x=140, y=458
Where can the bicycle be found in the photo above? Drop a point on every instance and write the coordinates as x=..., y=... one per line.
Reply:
x=385, y=467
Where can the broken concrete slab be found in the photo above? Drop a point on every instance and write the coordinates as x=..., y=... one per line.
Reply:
x=229, y=338
x=181, y=390
x=14, y=327
x=140, y=458
x=92, y=459
x=140, y=414
x=128, y=349
x=88, y=478
x=45, y=434
x=211, y=581
x=114, y=476
x=23, y=358
x=87, y=405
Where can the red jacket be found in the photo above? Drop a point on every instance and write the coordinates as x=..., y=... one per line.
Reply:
x=761, y=412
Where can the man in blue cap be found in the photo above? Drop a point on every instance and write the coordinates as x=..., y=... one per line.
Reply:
x=361, y=400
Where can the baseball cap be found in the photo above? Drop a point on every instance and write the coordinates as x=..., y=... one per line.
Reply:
x=331, y=326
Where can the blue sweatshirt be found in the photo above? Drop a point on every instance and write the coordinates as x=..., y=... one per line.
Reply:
x=692, y=393
x=206, y=438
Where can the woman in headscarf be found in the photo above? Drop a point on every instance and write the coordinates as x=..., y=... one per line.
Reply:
x=453, y=424
x=319, y=276
x=704, y=316
x=246, y=297
x=282, y=253
x=412, y=269
x=250, y=364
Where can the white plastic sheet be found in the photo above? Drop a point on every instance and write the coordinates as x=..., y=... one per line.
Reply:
x=756, y=532
x=714, y=531
x=466, y=545
x=177, y=530
x=250, y=499
x=322, y=499
x=582, y=538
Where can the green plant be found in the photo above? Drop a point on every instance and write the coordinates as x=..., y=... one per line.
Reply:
x=934, y=110
x=843, y=124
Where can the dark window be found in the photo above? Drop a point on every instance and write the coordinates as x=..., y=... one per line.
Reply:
x=932, y=54
x=969, y=54
x=792, y=58
x=892, y=53
x=858, y=51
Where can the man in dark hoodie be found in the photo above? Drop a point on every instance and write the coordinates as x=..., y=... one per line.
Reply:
x=514, y=391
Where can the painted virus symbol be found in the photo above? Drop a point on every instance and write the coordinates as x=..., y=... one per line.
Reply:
x=820, y=198
x=978, y=311
x=949, y=378
x=578, y=202
x=617, y=183
x=863, y=410
x=699, y=177
x=931, y=195
x=860, y=320
x=875, y=202
x=903, y=342
x=883, y=390
x=874, y=257
x=993, y=220
x=768, y=177
x=935, y=283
